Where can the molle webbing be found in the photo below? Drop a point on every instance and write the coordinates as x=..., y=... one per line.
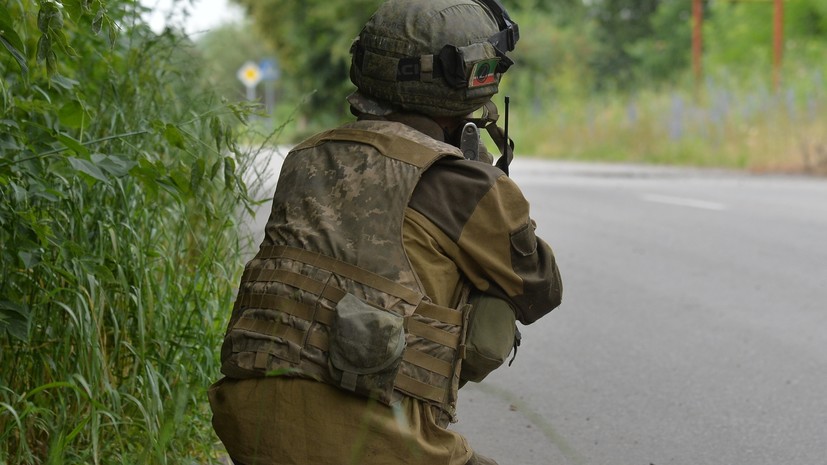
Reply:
x=335, y=238
x=416, y=324
x=335, y=266
x=304, y=311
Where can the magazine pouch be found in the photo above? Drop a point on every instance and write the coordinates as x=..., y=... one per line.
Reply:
x=492, y=334
x=366, y=346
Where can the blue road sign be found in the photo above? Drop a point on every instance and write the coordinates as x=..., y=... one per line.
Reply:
x=269, y=69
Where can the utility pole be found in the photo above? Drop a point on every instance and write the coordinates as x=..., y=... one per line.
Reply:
x=697, y=23
x=777, y=43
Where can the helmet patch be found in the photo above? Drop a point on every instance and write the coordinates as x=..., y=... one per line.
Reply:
x=483, y=73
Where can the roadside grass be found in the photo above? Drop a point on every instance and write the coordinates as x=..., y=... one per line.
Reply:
x=753, y=128
x=121, y=194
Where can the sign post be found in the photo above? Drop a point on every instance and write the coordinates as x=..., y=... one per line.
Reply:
x=697, y=43
x=269, y=74
x=777, y=43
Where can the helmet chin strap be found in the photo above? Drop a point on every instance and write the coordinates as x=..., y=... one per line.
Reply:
x=488, y=121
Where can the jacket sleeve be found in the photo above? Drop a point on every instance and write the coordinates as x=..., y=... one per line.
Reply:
x=486, y=217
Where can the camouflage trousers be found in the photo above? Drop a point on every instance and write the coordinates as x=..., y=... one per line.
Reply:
x=279, y=421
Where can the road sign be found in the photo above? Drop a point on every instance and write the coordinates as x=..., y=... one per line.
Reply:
x=269, y=69
x=249, y=74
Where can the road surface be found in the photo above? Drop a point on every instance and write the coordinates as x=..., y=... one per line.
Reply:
x=693, y=328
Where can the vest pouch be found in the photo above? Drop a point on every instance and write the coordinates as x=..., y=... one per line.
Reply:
x=491, y=334
x=366, y=346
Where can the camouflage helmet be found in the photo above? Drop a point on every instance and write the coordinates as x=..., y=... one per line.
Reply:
x=436, y=57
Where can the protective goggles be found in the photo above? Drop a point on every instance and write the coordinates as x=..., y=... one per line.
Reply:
x=473, y=65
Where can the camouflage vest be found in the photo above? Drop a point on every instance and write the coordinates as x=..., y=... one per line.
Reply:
x=333, y=266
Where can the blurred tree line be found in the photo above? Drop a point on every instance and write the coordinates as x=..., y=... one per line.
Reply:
x=568, y=48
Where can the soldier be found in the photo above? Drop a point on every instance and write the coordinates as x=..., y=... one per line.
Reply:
x=393, y=268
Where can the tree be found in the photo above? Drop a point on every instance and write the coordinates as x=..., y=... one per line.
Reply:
x=619, y=24
x=665, y=52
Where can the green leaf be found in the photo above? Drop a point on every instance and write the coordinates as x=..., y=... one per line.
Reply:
x=73, y=144
x=98, y=21
x=112, y=164
x=217, y=131
x=196, y=174
x=10, y=39
x=6, y=25
x=51, y=63
x=75, y=8
x=174, y=136
x=29, y=258
x=16, y=319
x=72, y=114
x=181, y=181
x=49, y=18
x=215, y=167
x=64, y=82
x=20, y=194
x=44, y=47
x=229, y=172
x=88, y=168
x=61, y=40
x=9, y=123
x=103, y=273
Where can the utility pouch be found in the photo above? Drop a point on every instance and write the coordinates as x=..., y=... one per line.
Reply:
x=366, y=346
x=492, y=333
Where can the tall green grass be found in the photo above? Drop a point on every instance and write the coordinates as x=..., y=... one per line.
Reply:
x=120, y=198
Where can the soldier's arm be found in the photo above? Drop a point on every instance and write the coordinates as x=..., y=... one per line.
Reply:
x=487, y=231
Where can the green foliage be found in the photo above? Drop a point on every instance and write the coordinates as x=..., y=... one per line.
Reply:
x=119, y=191
x=739, y=38
x=552, y=63
x=558, y=12
x=663, y=54
x=619, y=24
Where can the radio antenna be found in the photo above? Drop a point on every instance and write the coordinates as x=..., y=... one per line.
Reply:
x=506, y=159
x=505, y=131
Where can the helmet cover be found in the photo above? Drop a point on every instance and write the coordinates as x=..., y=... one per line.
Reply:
x=432, y=57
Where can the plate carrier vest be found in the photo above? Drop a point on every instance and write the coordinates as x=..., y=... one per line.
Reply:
x=336, y=230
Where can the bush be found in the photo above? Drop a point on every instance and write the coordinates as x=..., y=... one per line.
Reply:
x=120, y=190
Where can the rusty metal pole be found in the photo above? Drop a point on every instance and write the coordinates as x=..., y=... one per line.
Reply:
x=697, y=22
x=778, y=43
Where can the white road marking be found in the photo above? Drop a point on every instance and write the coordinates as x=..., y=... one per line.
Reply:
x=684, y=202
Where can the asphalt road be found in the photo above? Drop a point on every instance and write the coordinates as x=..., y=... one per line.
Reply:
x=693, y=328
